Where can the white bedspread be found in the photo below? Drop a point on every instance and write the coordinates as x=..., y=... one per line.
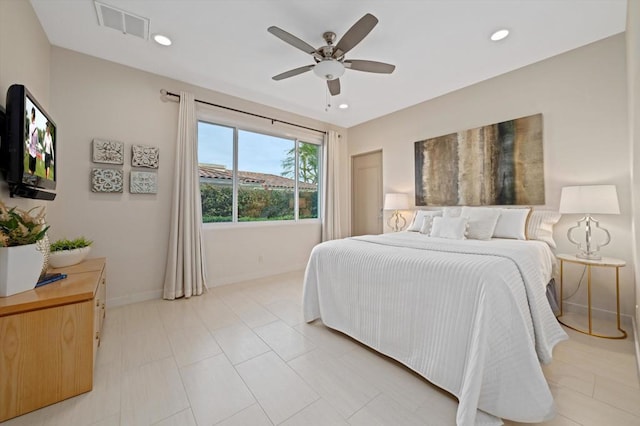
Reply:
x=470, y=316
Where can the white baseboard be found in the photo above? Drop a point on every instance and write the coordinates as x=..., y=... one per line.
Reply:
x=234, y=279
x=636, y=339
x=238, y=278
x=134, y=298
x=626, y=321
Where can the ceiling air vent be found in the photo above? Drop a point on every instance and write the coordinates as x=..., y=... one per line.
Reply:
x=123, y=21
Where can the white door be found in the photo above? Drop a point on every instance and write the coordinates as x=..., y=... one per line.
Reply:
x=366, y=193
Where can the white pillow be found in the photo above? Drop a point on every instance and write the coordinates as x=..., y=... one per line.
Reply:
x=427, y=221
x=482, y=221
x=418, y=217
x=451, y=211
x=540, y=226
x=512, y=223
x=449, y=227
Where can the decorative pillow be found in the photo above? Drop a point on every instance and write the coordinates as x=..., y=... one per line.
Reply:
x=427, y=221
x=418, y=217
x=540, y=226
x=449, y=227
x=482, y=221
x=451, y=211
x=512, y=223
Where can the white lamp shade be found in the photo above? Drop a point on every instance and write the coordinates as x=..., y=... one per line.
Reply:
x=589, y=199
x=396, y=202
x=329, y=69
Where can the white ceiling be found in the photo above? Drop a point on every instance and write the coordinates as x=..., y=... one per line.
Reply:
x=437, y=45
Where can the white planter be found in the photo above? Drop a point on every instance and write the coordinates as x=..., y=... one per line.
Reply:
x=20, y=268
x=62, y=258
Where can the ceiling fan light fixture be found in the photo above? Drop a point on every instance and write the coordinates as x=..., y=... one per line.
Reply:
x=329, y=69
x=500, y=34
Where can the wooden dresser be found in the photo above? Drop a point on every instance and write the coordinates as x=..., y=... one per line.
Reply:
x=49, y=338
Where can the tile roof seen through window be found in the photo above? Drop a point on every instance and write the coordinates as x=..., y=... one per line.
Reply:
x=216, y=174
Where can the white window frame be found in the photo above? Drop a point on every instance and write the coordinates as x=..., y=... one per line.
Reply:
x=296, y=135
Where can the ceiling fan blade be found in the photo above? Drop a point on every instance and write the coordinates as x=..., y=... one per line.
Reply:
x=369, y=66
x=292, y=40
x=334, y=86
x=356, y=33
x=293, y=72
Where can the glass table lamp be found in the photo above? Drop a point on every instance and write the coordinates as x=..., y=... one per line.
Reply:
x=587, y=200
x=396, y=202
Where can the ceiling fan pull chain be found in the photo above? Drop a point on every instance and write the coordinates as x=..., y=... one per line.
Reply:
x=327, y=99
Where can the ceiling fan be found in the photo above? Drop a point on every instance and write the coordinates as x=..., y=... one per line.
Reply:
x=330, y=61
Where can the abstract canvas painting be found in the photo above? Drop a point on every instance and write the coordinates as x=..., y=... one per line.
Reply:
x=498, y=164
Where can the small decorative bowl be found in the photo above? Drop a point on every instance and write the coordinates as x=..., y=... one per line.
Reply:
x=62, y=258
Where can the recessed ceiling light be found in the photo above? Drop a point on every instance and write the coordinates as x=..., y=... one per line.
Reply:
x=161, y=39
x=343, y=106
x=500, y=34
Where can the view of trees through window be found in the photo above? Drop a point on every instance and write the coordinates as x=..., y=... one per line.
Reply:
x=266, y=175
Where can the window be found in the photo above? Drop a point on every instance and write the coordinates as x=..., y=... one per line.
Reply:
x=308, y=175
x=247, y=176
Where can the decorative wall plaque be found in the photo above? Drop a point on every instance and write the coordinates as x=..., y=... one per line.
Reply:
x=143, y=183
x=106, y=180
x=145, y=156
x=111, y=152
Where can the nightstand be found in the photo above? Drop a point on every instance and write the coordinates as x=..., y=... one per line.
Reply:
x=605, y=262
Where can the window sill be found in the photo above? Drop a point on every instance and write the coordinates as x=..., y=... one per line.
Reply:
x=260, y=224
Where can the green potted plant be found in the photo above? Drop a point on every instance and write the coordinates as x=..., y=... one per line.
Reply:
x=66, y=252
x=20, y=260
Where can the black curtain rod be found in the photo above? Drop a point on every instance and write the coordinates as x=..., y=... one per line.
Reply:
x=273, y=120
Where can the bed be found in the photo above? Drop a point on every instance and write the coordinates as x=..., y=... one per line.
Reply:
x=471, y=316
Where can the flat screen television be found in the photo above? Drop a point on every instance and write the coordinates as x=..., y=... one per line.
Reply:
x=28, y=146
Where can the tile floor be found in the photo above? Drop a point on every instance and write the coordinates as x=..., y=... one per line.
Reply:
x=242, y=355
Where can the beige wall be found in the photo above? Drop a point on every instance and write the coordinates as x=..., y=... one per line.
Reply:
x=24, y=49
x=582, y=96
x=25, y=55
x=251, y=251
x=633, y=83
x=93, y=98
x=90, y=98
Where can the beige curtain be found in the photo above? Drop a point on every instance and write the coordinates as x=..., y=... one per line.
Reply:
x=185, y=273
x=331, y=192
